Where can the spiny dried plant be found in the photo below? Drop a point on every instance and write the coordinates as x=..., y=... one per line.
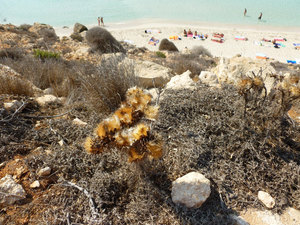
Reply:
x=127, y=130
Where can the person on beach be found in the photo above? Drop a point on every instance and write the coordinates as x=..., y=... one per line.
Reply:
x=190, y=32
x=260, y=16
x=245, y=12
x=98, y=21
x=184, y=33
x=102, y=23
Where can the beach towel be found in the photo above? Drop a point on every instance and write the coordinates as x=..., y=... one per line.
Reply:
x=296, y=44
x=190, y=35
x=241, y=38
x=296, y=61
x=218, y=35
x=219, y=40
x=261, y=56
x=279, y=39
x=129, y=42
x=175, y=37
x=154, y=31
x=153, y=41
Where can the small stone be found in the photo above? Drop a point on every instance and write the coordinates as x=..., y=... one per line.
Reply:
x=61, y=142
x=14, y=105
x=266, y=199
x=79, y=122
x=2, y=164
x=44, y=172
x=191, y=190
x=35, y=184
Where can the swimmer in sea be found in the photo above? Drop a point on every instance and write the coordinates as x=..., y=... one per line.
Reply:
x=260, y=16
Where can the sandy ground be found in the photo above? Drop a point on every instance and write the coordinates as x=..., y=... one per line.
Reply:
x=134, y=32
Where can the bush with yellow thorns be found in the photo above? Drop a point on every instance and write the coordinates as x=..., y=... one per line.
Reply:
x=125, y=130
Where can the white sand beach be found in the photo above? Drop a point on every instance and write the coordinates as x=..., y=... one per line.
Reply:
x=134, y=32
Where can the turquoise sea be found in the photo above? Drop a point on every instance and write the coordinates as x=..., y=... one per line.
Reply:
x=67, y=12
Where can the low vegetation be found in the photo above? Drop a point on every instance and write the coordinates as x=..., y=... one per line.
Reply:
x=102, y=41
x=160, y=54
x=41, y=54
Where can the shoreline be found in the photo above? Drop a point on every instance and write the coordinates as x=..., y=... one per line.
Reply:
x=134, y=32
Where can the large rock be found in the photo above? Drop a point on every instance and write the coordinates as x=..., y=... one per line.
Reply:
x=78, y=28
x=191, y=190
x=10, y=191
x=181, y=82
x=232, y=70
x=151, y=74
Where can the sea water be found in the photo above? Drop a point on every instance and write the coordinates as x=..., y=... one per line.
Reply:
x=68, y=12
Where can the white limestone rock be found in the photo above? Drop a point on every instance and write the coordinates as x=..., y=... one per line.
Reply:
x=191, y=190
x=181, y=82
x=44, y=171
x=79, y=122
x=10, y=191
x=266, y=199
x=35, y=184
x=209, y=78
x=46, y=99
x=151, y=74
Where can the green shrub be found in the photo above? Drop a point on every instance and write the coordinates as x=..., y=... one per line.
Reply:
x=38, y=53
x=160, y=55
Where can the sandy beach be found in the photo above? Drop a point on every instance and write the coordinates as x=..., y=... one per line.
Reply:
x=134, y=32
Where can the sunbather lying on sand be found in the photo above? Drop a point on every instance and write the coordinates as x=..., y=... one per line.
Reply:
x=153, y=41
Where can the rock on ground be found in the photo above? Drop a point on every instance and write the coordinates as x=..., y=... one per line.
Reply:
x=10, y=191
x=151, y=74
x=191, y=190
x=266, y=199
x=181, y=82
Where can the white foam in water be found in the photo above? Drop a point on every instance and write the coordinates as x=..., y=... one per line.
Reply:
x=68, y=12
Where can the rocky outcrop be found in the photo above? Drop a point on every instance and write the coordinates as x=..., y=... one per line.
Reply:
x=78, y=28
x=10, y=191
x=232, y=70
x=191, y=190
x=151, y=74
x=45, y=31
x=47, y=99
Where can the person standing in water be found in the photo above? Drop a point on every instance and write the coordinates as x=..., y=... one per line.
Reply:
x=245, y=12
x=102, y=23
x=98, y=21
x=260, y=16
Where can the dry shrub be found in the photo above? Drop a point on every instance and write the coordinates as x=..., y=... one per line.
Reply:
x=167, y=45
x=200, y=51
x=15, y=86
x=55, y=74
x=198, y=60
x=12, y=53
x=105, y=89
x=101, y=40
x=76, y=37
x=25, y=27
x=49, y=35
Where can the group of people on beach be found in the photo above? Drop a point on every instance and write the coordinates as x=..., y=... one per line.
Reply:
x=189, y=33
x=260, y=15
x=100, y=21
